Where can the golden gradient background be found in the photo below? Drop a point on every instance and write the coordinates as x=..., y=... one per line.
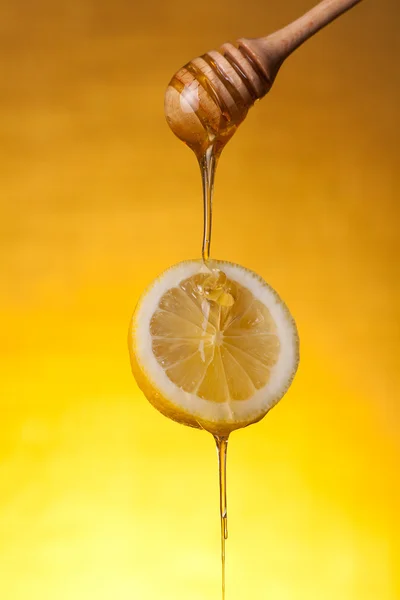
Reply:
x=100, y=496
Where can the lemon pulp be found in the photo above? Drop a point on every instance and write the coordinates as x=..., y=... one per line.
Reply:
x=206, y=348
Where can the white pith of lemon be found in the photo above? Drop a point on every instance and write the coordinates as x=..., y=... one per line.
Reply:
x=217, y=357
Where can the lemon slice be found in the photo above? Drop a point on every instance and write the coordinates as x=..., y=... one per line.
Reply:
x=212, y=346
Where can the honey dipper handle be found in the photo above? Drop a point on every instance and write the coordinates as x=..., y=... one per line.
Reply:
x=269, y=52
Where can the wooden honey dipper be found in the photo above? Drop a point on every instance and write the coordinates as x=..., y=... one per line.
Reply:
x=209, y=97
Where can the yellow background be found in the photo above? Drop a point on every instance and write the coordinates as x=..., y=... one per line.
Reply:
x=100, y=496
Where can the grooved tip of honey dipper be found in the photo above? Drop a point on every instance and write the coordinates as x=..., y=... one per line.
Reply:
x=210, y=96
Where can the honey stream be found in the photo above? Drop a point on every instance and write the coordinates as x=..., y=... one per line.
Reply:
x=207, y=155
x=208, y=162
x=222, y=447
x=207, y=146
